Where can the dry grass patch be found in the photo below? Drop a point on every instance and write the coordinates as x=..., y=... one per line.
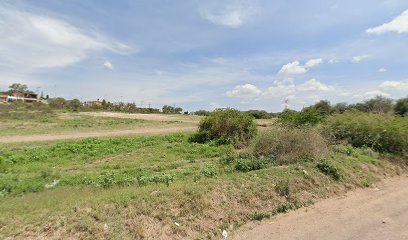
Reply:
x=289, y=145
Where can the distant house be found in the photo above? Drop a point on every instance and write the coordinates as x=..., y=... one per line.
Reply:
x=15, y=97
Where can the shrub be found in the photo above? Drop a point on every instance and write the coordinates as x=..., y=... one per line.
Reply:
x=401, y=107
x=289, y=145
x=226, y=125
x=329, y=170
x=308, y=117
x=247, y=165
x=381, y=132
x=208, y=171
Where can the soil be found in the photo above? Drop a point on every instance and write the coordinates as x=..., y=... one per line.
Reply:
x=139, y=131
x=379, y=212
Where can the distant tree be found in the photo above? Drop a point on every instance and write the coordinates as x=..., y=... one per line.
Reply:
x=323, y=107
x=259, y=114
x=58, y=103
x=74, y=105
x=401, y=107
x=340, y=108
x=201, y=112
x=169, y=109
x=18, y=88
x=379, y=105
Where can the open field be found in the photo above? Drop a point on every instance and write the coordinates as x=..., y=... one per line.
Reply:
x=54, y=122
x=157, y=186
x=137, y=176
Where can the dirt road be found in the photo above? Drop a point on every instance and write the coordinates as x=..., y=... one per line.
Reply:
x=366, y=214
x=111, y=133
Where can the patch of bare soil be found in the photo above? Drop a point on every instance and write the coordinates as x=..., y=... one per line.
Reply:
x=139, y=131
x=380, y=212
x=149, y=117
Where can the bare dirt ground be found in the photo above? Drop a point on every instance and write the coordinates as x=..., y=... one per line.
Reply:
x=112, y=133
x=150, y=117
x=375, y=213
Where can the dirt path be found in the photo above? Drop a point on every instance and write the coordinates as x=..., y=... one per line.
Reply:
x=111, y=133
x=366, y=214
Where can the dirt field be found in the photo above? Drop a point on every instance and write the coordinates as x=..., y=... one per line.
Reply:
x=113, y=133
x=149, y=117
x=374, y=213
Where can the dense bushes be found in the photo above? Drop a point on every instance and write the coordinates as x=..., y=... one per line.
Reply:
x=226, y=126
x=381, y=132
x=289, y=145
x=401, y=107
x=308, y=117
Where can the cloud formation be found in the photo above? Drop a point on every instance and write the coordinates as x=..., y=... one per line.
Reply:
x=244, y=91
x=233, y=15
x=394, y=85
x=314, y=86
x=360, y=58
x=295, y=68
x=108, y=65
x=398, y=25
x=30, y=41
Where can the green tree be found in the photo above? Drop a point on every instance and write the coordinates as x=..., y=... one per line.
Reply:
x=323, y=107
x=74, y=105
x=18, y=88
x=401, y=107
x=379, y=105
x=58, y=103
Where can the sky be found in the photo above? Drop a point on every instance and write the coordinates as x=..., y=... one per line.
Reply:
x=244, y=54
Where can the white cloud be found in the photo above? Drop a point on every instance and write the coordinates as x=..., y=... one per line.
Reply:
x=30, y=41
x=381, y=70
x=108, y=65
x=360, y=58
x=295, y=68
x=394, y=85
x=280, y=88
x=232, y=16
x=315, y=86
x=375, y=93
x=399, y=25
x=244, y=91
x=334, y=60
x=313, y=62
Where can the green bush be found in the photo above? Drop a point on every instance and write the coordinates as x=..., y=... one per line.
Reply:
x=329, y=170
x=247, y=165
x=401, y=107
x=308, y=117
x=381, y=132
x=289, y=145
x=226, y=126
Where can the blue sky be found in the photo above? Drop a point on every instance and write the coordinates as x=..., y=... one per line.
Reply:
x=206, y=54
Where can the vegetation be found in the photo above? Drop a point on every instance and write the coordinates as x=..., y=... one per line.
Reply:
x=381, y=132
x=401, y=107
x=75, y=188
x=46, y=121
x=226, y=126
x=139, y=187
x=307, y=117
x=290, y=145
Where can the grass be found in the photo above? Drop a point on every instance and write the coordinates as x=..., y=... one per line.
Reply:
x=51, y=122
x=138, y=187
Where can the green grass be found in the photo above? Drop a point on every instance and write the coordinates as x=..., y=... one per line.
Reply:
x=140, y=186
x=48, y=122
